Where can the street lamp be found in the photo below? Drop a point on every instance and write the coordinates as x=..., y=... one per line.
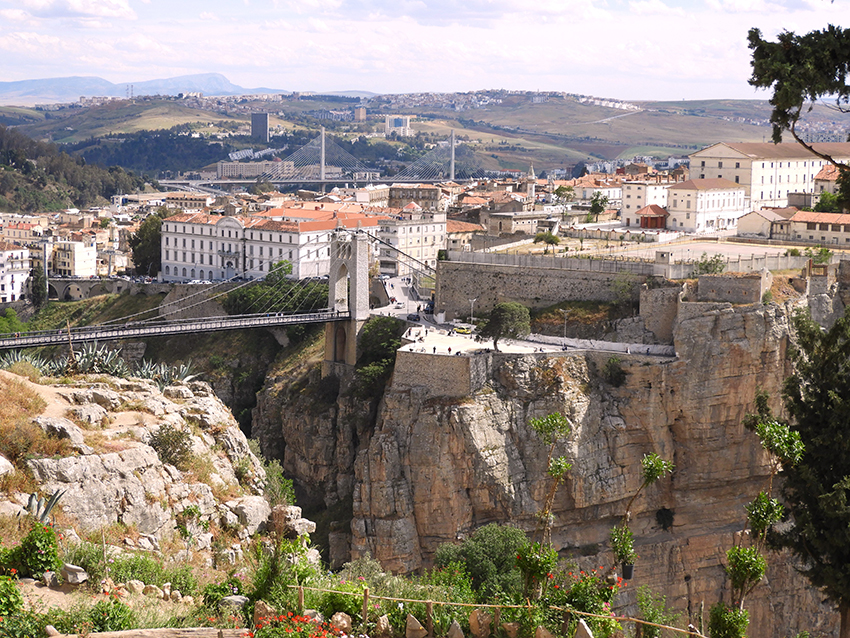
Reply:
x=566, y=314
x=471, y=307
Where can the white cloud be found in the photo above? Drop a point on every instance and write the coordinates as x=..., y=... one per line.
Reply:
x=207, y=15
x=75, y=8
x=654, y=7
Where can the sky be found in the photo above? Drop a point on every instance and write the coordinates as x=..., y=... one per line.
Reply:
x=626, y=49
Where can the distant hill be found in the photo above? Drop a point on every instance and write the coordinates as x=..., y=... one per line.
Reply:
x=70, y=89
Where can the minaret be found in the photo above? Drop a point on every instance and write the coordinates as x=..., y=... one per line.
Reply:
x=530, y=185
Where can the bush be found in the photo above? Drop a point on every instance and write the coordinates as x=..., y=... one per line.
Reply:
x=489, y=557
x=173, y=445
x=111, y=615
x=710, y=265
x=613, y=372
x=728, y=622
x=654, y=609
x=11, y=600
x=26, y=624
x=37, y=553
x=346, y=597
x=588, y=592
x=214, y=592
x=293, y=626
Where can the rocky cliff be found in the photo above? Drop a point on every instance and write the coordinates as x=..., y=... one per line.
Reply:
x=432, y=468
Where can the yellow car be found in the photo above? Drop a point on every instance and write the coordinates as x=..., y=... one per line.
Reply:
x=463, y=331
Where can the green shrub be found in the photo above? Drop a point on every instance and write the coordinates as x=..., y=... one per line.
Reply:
x=588, y=592
x=279, y=490
x=11, y=600
x=136, y=567
x=37, y=553
x=347, y=596
x=90, y=557
x=613, y=372
x=26, y=624
x=489, y=557
x=111, y=615
x=654, y=609
x=214, y=592
x=728, y=622
x=173, y=445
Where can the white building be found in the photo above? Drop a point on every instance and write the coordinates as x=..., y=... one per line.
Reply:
x=640, y=194
x=705, y=205
x=74, y=259
x=418, y=233
x=215, y=247
x=14, y=270
x=399, y=124
x=767, y=171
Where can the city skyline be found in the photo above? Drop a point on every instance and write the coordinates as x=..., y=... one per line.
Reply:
x=626, y=49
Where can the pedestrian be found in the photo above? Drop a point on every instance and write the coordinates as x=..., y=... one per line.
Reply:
x=450, y=349
x=435, y=349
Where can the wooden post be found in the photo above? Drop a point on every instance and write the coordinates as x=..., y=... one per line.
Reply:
x=365, y=607
x=300, y=600
x=565, y=626
x=429, y=617
x=638, y=630
x=497, y=620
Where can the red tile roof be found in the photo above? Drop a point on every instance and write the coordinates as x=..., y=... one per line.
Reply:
x=714, y=183
x=653, y=210
x=821, y=218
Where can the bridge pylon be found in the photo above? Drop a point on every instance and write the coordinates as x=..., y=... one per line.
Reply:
x=348, y=289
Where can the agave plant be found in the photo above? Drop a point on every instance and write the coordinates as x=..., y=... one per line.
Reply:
x=10, y=358
x=40, y=509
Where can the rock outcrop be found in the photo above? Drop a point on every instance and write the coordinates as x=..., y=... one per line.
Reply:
x=118, y=476
x=431, y=468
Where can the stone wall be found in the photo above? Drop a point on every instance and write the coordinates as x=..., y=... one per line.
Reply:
x=659, y=308
x=490, y=284
x=734, y=288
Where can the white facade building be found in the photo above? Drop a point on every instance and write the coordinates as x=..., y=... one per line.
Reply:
x=638, y=195
x=215, y=247
x=74, y=259
x=417, y=233
x=767, y=171
x=705, y=205
x=14, y=270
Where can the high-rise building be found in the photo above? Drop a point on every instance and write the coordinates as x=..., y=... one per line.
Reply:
x=260, y=126
x=359, y=113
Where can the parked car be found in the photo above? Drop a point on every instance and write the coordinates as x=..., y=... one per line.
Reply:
x=413, y=317
x=463, y=330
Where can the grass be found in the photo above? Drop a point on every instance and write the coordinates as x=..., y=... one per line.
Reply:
x=19, y=438
x=57, y=314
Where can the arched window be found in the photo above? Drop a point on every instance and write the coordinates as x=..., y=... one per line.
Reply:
x=193, y=273
x=184, y=272
x=202, y=274
x=167, y=270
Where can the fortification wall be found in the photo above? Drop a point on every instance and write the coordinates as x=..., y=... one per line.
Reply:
x=740, y=289
x=490, y=284
x=659, y=308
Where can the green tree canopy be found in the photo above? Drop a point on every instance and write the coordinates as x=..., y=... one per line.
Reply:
x=801, y=70
x=146, y=245
x=507, y=320
x=816, y=489
x=38, y=287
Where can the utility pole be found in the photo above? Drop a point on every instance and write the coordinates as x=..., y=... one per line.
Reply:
x=452, y=166
x=322, y=158
x=471, y=308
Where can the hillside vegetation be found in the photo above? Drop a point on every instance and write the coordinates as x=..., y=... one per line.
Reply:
x=36, y=177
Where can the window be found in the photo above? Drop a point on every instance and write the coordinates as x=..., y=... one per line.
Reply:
x=737, y=179
x=719, y=164
x=737, y=164
x=702, y=163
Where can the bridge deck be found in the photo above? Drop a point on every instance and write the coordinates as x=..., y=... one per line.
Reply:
x=157, y=329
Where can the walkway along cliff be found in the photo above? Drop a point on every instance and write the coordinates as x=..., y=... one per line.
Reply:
x=446, y=450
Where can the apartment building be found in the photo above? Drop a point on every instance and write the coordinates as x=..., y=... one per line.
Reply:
x=768, y=172
x=417, y=233
x=189, y=201
x=74, y=259
x=425, y=196
x=215, y=247
x=705, y=205
x=637, y=195
x=828, y=229
x=14, y=271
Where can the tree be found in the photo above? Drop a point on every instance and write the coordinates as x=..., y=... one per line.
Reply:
x=564, y=194
x=598, y=204
x=146, y=245
x=802, y=69
x=815, y=490
x=547, y=238
x=38, y=287
x=507, y=320
x=828, y=203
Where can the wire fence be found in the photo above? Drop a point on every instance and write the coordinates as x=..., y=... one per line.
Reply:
x=641, y=628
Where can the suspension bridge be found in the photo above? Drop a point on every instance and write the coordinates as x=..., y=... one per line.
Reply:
x=323, y=161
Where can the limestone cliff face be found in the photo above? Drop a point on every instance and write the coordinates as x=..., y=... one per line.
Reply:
x=434, y=467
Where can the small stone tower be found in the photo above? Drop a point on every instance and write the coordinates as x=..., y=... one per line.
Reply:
x=348, y=289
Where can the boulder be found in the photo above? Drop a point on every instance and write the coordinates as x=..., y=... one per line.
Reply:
x=414, y=628
x=583, y=631
x=383, y=629
x=313, y=615
x=89, y=413
x=135, y=586
x=542, y=632
x=50, y=579
x=479, y=623
x=253, y=512
x=179, y=392
x=511, y=629
x=73, y=574
x=235, y=602
x=5, y=466
x=51, y=631
x=286, y=520
x=152, y=591
x=64, y=429
x=454, y=630
x=263, y=610
x=342, y=622
x=176, y=596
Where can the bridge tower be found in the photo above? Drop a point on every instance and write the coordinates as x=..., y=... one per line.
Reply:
x=348, y=289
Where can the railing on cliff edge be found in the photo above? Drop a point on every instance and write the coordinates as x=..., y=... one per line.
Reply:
x=429, y=611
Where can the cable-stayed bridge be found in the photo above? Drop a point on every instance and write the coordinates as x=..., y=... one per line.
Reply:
x=322, y=161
